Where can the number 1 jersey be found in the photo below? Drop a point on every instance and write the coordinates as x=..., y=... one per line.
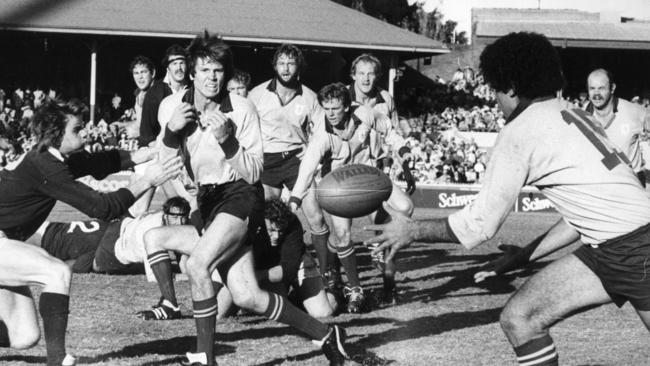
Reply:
x=565, y=154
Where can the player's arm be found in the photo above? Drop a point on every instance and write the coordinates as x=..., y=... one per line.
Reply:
x=362, y=135
x=506, y=173
x=557, y=237
x=315, y=152
x=243, y=147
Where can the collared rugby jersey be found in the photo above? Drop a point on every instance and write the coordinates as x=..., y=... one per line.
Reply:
x=625, y=129
x=385, y=118
x=284, y=127
x=206, y=160
x=331, y=147
x=566, y=155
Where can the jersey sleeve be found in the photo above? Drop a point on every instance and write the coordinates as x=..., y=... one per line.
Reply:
x=293, y=248
x=506, y=174
x=98, y=165
x=243, y=150
x=316, y=149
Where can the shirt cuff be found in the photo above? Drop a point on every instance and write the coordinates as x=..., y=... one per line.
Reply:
x=230, y=146
x=172, y=139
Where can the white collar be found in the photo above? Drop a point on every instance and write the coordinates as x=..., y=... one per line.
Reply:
x=56, y=153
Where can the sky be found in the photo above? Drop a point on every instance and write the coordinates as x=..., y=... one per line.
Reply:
x=460, y=10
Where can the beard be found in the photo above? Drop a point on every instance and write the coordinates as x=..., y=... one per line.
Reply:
x=292, y=83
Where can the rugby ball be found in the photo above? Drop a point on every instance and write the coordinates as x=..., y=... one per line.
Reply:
x=353, y=190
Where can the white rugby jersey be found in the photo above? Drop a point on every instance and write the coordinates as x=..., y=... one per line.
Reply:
x=566, y=155
x=284, y=127
x=385, y=121
x=333, y=148
x=209, y=163
x=630, y=122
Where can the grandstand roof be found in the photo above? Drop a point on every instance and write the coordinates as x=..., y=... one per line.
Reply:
x=565, y=27
x=307, y=22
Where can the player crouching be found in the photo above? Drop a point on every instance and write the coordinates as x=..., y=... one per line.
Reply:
x=340, y=138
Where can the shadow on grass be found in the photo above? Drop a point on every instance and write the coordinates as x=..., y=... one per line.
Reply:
x=171, y=346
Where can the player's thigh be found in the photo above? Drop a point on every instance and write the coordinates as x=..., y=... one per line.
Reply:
x=221, y=239
x=400, y=201
x=18, y=312
x=271, y=192
x=561, y=288
x=24, y=264
x=341, y=227
x=179, y=238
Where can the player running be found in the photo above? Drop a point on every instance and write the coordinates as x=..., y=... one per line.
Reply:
x=566, y=155
x=218, y=135
x=624, y=123
x=28, y=193
x=346, y=132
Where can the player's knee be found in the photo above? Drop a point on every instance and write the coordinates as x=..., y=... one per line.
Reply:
x=514, y=320
x=151, y=240
x=28, y=337
x=245, y=299
x=197, y=268
x=322, y=311
x=58, y=273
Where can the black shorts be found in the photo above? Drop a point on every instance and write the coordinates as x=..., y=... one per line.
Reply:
x=281, y=169
x=623, y=266
x=240, y=199
x=105, y=260
x=76, y=240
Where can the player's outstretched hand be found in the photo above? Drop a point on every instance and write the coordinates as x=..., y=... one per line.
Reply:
x=394, y=235
x=507, y=262
x=160, y=172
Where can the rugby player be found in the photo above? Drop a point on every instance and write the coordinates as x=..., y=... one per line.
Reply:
x=345, y=134
x=111, y=247
x=566, y=155
x=287, y=111
x=624, y=123
x=365, y=72
x=218, y=135
x=143, y=71
x=239, y=83
x=28, y=192
x=281, y=263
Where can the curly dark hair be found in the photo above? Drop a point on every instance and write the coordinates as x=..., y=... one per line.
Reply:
x=290, y=51
x=525, y=62
x=242, y=77
x=142, y=60
x=278, y=212
x=211, y=48
x=50, y=120
x=335, y=91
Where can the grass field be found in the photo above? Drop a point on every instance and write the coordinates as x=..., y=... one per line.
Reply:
x=443, y=319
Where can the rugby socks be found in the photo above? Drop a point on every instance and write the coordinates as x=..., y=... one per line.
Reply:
x=281, y=310
x=205, y=316
x=319, y=241
x=161, y=266
x=537, y=352
x=4, y=335
x=349, y=260
x=54, y=309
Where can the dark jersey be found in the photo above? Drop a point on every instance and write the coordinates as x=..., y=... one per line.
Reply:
x=76, y=240
x=287, y=254
x=29, y=191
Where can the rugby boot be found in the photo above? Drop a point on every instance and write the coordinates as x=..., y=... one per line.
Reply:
x=333, y=346
x=165, y=310
x=69, y=360
x=195, y=359
x=356, y=299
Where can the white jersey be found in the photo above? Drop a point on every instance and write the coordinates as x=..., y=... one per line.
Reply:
x=629, y=122
x=285, y=127
x=385, y=123
x=566, y=155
